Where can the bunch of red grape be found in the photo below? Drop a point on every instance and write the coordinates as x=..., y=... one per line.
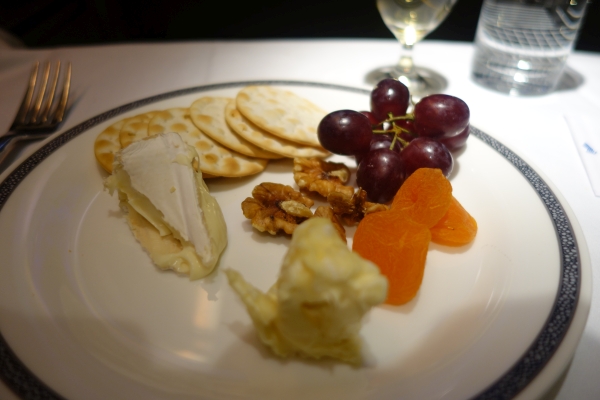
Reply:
x=389, y=144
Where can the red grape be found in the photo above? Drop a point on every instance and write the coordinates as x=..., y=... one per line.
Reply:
x=438, y=124
x=425, y=152
x=440, y=115
x=345, y=132
x=389, y=96
x=371, y=117
x=380, y=174
x=455, y=142
x=379, y=141
x=407, y=124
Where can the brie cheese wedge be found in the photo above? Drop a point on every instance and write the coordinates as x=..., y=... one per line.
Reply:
x=168, y=206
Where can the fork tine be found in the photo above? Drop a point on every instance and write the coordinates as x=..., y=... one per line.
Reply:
x=20, y=119
x=52, y=92
x=62, y=106
x=41, y=93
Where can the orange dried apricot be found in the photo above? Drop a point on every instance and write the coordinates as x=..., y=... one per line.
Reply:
x=456, y=228
x=398, y=246
x=397, y=240
x=425, y=196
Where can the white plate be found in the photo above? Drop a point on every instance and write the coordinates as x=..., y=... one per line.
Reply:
x=88, y=315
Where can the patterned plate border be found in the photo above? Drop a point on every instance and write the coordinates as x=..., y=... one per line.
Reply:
x=28, y=386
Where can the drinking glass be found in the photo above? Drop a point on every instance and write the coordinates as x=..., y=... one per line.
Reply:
x=521, y=47
x=410, y=21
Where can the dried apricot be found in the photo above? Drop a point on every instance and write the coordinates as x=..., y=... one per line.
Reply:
x=397, y=240
x=456, y=228
x=425, y=196
x=398, y=246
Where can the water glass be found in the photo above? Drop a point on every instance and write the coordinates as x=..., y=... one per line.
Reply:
x=522, y=45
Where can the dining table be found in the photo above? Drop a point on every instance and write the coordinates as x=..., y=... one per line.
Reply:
x=555, y=135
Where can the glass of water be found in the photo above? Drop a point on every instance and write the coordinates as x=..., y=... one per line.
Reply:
x=522, y=45
x=410, y=21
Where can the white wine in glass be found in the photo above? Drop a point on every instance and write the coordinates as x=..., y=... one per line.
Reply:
x=410, y=21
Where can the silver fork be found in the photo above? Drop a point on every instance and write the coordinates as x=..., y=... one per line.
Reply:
x=40, y=112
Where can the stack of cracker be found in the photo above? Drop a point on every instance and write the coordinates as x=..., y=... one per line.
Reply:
x=234, y=137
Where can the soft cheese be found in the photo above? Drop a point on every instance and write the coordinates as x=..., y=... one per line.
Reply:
x=169, y=208
x=316, y=306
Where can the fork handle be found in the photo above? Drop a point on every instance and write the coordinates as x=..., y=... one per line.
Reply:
x=7, y=144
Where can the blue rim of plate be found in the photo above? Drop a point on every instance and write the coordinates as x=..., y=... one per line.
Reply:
x=26, y=385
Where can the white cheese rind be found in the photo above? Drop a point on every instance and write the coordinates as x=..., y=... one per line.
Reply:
x=156, y=178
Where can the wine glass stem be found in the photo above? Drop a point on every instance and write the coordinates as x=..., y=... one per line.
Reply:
x=405, y=65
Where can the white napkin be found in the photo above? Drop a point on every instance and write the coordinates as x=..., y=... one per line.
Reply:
x=585, y=130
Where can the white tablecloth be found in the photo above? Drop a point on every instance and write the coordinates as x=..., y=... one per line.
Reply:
x=108, y=76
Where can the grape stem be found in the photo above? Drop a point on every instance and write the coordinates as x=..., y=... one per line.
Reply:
x=408, y=117
x=392, y=118
x=396, y=130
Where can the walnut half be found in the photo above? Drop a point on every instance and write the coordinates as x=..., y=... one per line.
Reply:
x=274, y=207
x=327, y=212
x=351, y=209
x=323, y=177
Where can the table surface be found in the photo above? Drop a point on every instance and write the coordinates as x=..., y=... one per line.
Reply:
x=108, y=76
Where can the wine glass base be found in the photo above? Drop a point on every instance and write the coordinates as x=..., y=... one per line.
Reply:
x=426, y=82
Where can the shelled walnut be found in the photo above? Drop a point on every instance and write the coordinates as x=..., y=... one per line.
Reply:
x=327, y=212
x=351, y=209
x=323, y=177
x=274, y=207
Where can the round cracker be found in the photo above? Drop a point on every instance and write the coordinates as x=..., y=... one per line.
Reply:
x=208, y=114
x=107, y=144
x=135, y=128
x=215, y=159
x=281, y=113
x=249, y=131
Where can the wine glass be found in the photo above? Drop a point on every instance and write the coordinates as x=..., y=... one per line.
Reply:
x=410, y=21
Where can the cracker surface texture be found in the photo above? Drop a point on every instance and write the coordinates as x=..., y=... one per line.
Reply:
x=135, y=128
x=281, y=113
x=254, y=134
x=208, y=114
x=215, y=159
x=107, y=144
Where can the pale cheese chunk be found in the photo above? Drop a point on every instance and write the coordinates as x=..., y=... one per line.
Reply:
x=316, y=306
